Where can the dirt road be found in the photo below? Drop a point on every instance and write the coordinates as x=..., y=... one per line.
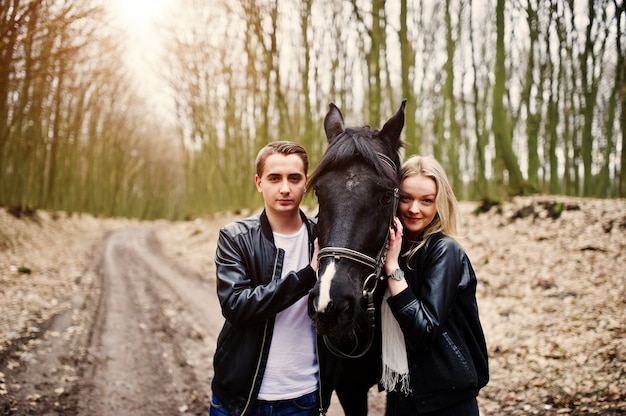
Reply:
x=154, y=334
x=143, y=346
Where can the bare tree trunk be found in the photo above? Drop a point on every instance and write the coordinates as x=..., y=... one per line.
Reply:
x=480, y=128
x=305, y=23
x=620, y=13
x=449, y=103
x=407, y=59
x=533, y=113
x=591, y=69
x=9, y=28
x=553, y=114
x=604, y=188
x=505, y=157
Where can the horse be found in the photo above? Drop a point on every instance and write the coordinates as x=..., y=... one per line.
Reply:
x=356, y=183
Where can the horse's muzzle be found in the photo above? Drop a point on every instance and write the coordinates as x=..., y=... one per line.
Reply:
x=336, y=318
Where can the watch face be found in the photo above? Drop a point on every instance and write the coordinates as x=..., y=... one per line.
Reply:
x=397, y=274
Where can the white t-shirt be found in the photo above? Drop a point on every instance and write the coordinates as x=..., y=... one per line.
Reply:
x=292, y=369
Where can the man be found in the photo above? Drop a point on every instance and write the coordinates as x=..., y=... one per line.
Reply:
x=267, y=359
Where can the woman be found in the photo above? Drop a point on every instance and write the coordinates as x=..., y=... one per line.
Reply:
x=437, y=364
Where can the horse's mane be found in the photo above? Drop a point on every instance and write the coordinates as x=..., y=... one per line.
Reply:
x=354, y=143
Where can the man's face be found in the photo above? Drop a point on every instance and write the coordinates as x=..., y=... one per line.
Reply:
x=283, y=183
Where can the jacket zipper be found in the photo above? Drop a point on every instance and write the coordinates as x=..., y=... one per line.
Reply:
x=258, y=364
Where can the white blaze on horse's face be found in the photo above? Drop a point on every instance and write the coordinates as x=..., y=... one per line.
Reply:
x=353, y=183
x=325, y=281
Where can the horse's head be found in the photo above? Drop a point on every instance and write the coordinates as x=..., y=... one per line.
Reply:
x=356, y=185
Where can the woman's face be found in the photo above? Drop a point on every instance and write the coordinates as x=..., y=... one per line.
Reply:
x=417, y=204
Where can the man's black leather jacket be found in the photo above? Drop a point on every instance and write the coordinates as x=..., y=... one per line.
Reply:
x=438, y=315
x=251, y=293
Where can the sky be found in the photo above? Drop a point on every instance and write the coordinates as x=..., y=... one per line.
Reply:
x=139, y=20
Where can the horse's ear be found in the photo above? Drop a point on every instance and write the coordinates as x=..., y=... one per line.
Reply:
x=393, y=126
x=333, y=123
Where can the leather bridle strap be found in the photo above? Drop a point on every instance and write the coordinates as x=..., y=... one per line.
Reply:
x=347, y=253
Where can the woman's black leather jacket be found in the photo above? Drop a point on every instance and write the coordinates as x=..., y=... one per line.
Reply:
x=438, y=315
x=251, y=293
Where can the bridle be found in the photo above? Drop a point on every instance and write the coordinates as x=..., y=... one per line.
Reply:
x=371, y=282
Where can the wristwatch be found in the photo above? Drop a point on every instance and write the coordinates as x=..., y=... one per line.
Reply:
x=397, y=274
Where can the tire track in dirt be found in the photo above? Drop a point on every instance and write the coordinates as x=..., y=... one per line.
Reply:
x=154, y=333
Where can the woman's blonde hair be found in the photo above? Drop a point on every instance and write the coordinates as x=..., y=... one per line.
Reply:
x=447, y=206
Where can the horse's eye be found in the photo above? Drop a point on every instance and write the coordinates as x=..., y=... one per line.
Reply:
x=386, y=198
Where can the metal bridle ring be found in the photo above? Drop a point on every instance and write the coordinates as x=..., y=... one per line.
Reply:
x=371, y=278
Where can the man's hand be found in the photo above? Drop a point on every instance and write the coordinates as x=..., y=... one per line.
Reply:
x=315, y=253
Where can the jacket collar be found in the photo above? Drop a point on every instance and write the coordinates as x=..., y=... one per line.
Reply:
x=266, y=229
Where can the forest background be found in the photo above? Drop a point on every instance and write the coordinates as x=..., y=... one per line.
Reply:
x=513, y=97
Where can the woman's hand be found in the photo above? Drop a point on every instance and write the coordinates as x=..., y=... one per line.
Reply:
x=395, y=245
x=391, y=262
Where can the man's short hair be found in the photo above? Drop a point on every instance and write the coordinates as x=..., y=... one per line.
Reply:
x=284, y=148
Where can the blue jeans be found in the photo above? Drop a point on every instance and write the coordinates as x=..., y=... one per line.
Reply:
x=307, y=405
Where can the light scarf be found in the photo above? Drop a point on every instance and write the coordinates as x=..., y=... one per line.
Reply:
x=395, y=362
